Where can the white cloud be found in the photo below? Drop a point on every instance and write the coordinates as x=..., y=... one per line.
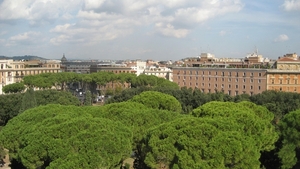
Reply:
x=25, y=38
x=222, y=33
x=291, y=5
x=36, y=10
x=169, y=30
x=281, y=38
x=96, y=20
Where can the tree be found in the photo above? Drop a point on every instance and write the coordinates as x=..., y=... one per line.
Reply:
x=11, y=104
x=28, y=100
x=289, y=127
x=56, y=136
x=158, y=100
x=254, y=121
x=191, y=142
x=88, y=98
x=13, y=88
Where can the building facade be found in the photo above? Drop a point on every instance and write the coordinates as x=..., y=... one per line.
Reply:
x=286, y=75
x=13, y=71
x=232, y=81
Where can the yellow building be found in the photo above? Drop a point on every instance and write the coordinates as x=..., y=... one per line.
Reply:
x=285, y=76
x=13, y=71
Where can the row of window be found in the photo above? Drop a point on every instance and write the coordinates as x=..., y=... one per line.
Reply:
x=222, y=85
x=287, y=81
x=220, y=73
x=228, y=92
x=223, y=79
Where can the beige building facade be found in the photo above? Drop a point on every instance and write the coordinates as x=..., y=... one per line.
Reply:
x=232, y=81
x=13, y=71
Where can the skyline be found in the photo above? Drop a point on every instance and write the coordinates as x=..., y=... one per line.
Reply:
x=150, y=29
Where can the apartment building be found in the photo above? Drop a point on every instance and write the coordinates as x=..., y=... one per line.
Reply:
x=282, y=75
x=232, y=81
x=13, y=71
x=286, y=74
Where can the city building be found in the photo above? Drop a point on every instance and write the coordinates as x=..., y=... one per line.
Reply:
x=77, y=66
x=162, y=72
x=251, y=75
x=232, y=81
x=286, y=74
x=13, y=71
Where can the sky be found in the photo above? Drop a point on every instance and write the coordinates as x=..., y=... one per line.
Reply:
x=149, y=29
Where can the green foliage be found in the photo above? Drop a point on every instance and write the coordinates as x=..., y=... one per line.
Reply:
x=88, y=98
x=280, y=103
x=190, y=143
x=289, y=127
x=28, y=100
x=254, y=121
x=158, y=100
x=13, y=88
x=135, y=115
x=11, y=104
x=56, y=136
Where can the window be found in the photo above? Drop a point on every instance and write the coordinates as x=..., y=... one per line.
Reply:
x=296, y=81
x=229, y=73
x=244, y=80
x=202, y=84
x=236, y=86
x=251, y=74
x=244, y=87
x=184, y=72
x=251, y=87
x=236, y=93
x=236, y=80
x=229, y=79
x=222, y=79
x=208, y=84
x=229, y=92
x=280, y=81
x=208, y=90
x=209, y=73
x=216, y=73
x=237, y=74
x=259, y=81
x=216, y=79
x=178, y=77
x=229, y=86
x=272, y=81
x=244, y=74
x=191, y=72
x=190, y=83
x=259, y=74
x=196, y=84
x=216, y=85
x=197, y=72
x=222, y=73
x=258, y=87
x=251, y=80
x=288, y=81
x=196, y=78
x=209, y=79
x=190, y=78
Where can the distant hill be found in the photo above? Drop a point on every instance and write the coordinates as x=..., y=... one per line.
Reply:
x=26, y=57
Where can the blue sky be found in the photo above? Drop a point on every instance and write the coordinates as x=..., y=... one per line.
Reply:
x=149, y=29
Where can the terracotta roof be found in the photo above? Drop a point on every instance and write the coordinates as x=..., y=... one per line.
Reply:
x=286, y=59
